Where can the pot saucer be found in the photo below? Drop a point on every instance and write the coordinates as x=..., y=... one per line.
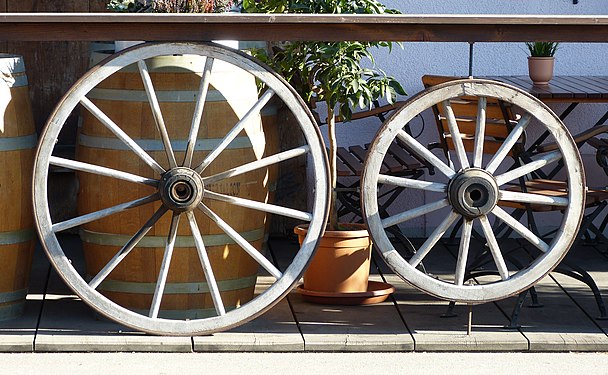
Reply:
x=376, y=292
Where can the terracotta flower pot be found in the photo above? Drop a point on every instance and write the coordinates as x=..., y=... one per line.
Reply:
x=338, y=273
x=540, y=69
x=341, y=263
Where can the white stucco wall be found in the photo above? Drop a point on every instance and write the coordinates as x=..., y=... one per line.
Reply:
x=414, y=60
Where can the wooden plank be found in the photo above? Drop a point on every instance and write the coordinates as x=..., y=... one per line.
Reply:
x=590, y=259
x=423, y=315
x=577, y=91
x=599, y=83
x=527, y=86
x=440, y=28
x=18, y=335
x=350, y=161
x=343, y=328
x=337, y=328
x=68, y=325
x=404, y=157
x=276, y=330
x=559, y=325
x=592, y=91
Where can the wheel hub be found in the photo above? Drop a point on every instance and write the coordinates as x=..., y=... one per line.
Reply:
x=473, y=192
x=181, y=189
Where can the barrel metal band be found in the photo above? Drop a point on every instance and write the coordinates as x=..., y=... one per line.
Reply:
x=14, y=295
x=119, y=286
x=157, y=145
x=173, y=96
x=109, y=239
x=12, y=311
x=19, y=236
x=14, y=80
x=18, y=143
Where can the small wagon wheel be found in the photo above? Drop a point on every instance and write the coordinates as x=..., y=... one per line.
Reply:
x=474, y=191
x=181, y=182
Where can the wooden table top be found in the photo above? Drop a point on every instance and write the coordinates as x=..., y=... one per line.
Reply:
x=566, y=89
x=328, y=27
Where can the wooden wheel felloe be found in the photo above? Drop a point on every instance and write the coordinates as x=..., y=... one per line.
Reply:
x=165, y=172
x=476, y=191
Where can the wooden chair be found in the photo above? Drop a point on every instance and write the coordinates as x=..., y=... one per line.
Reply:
x=500, y=120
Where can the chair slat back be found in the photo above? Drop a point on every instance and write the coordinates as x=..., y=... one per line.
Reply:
x=499, y=118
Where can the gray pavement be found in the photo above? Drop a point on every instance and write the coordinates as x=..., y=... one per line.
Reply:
x=305, y=363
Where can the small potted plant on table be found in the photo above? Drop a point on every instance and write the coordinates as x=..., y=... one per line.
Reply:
x=334, y=73
x=541, y=61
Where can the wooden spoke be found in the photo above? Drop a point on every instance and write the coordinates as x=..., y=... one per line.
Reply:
x=254, y=111
x=412, y=184
x=480, y=132
x=519, y=228
x=164, y=267
x=265, y=207
x=424, y=153
x=204, y=258
x=99, y=170
x=198, y=111
x=508, y=143
x=463, y=252
x=456, y=136
x=528, y=168
x=268, y=266
x=531, y=198
x=126, y=249
x=414, y=213
x=434, y=238
x=262, y=163
x=124, y=137
x=158, y=116
x=499, y=260
x=80, y=220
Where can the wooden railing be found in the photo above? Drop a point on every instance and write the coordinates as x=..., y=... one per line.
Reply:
x=196, y=27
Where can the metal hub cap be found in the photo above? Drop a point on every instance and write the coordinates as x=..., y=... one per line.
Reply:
x=473, y=192
x=181, y=189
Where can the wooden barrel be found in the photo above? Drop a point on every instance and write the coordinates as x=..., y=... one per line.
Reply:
x=17, y=144
x=122, y=97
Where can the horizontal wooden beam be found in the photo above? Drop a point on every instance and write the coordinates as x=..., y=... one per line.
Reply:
x=276, y=27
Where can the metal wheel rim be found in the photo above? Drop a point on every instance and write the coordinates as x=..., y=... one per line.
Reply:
x=563, y=239
x=116, y=312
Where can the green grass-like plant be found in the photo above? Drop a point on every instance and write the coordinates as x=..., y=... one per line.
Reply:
x=542, y=49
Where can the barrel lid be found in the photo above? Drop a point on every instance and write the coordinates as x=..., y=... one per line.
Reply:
x=11, y=64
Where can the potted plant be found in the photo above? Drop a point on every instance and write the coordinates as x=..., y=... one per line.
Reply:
x=169, y=6
x=541, y=61
x=334, y=73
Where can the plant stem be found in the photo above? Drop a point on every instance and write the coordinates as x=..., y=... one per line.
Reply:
x=333, y=170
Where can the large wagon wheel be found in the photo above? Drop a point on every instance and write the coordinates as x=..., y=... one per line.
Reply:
x=475, y=189
x=179, y=189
